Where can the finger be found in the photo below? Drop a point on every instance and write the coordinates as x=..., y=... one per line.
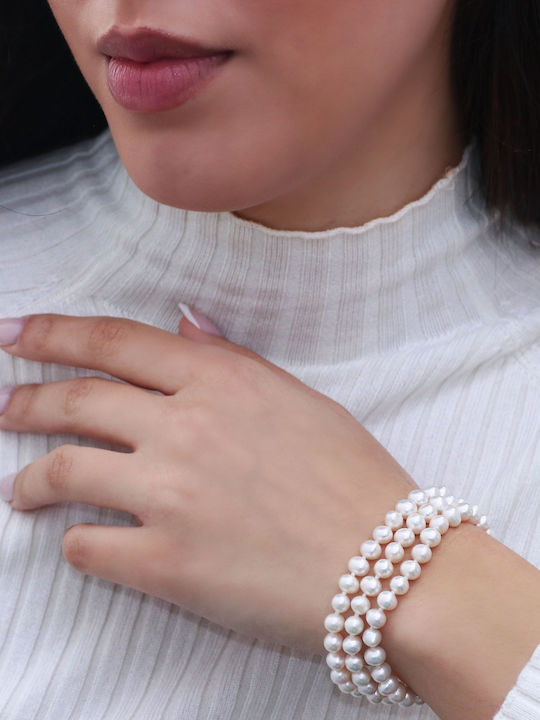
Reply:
x=76, y=473
x=117, y=554
x=133, y=351
x=95, y=407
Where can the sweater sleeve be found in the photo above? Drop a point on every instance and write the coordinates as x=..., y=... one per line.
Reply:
x=523, y=700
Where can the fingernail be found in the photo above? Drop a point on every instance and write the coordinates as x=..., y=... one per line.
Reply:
x=200, y=321
x=6, y=487
x=10, y=329
x=5, y=395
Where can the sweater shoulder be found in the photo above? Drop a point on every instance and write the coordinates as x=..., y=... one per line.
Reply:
x=54, y=180
x=57, y=214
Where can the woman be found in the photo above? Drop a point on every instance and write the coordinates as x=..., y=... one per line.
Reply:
x=309, y=178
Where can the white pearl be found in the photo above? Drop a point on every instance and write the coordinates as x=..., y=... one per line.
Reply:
x=387, y=600
x=399, y=694
x=339, y=676
x=430, y=536
x=453, y=516
x=394, y=519
x=362, y=677
x=360, y=604
x=404, y=536
x=346, y=687
x=340, y=602
x=354, y=625
x=335, y=661
x=359, y=565
x=394, y=552
x=349, y=583
x=439, y=523
x=375, y=698
x=332, y=642
x=334, y=622
x=406, y=507
x=483, y=523
x=450, y=500
x=368, y=689
x=352, y=645
x=375, y=656
x=408, y=699
x=417, y=496
x=422, y=553
x=371, y=549
x=399, y=584
x=354, y=663
x=438, y=503
x=465, y=510
x=428, y=511
x=410, y=569
x=381, y=673
x=432, y=491
x=416, y=522
x=443, y=490
x=383, y=534
x=370, y=585
x=387, y=687
x=376, y=618
x=371, y=637
x=383, y=568
x=475, y=514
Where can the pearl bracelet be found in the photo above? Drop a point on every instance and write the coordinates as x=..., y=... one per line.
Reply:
x=368, y=674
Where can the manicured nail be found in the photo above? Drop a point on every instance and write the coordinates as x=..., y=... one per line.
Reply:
x=5, y=395
x=6, y=487
x=10, y=329
x=200, y=321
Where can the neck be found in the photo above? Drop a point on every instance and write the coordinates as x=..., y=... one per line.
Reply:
x=404, y=148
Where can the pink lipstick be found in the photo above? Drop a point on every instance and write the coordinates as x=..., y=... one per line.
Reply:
x=151, y=70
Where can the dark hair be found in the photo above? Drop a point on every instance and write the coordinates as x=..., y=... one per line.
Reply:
x=495, y=74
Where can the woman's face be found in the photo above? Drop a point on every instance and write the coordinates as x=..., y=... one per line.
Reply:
x=308, y=89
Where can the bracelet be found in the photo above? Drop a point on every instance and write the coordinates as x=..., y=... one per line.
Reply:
x=368, y=673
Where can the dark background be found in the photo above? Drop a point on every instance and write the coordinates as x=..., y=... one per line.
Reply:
x=44, y=103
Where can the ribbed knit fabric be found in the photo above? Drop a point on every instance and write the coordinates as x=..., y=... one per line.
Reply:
x=425, y=325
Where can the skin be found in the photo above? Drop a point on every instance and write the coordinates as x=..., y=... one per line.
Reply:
x=329, y=114
x=348, y=108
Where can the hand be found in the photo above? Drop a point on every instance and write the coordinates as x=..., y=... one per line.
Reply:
x=251, y=489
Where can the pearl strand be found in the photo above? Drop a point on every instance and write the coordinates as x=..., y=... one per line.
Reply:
x=369, y=674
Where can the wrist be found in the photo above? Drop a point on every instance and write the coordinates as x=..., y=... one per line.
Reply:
x=467, y=627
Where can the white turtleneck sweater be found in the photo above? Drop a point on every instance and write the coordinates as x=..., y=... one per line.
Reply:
x=425, y=325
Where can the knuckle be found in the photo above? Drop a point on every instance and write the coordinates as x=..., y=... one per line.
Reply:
x=76, y=549
x=78, y=389
x=106, y=334
x=59, y=469
x=22, y=402
x=36, y=333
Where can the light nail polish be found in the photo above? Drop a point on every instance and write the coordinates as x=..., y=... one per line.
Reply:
x=10, y=329
x=5, y=396
x=200, y=321
x=6, y=487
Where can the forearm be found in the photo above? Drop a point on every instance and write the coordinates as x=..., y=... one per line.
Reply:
x=467, y=627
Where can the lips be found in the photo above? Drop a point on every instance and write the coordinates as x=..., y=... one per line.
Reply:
x=147, y=45
x=152, y=70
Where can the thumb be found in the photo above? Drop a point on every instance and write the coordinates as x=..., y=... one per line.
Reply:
x=197, y=327
x=200, y=321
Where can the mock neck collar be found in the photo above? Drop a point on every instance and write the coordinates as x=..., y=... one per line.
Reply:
x=325, y=296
